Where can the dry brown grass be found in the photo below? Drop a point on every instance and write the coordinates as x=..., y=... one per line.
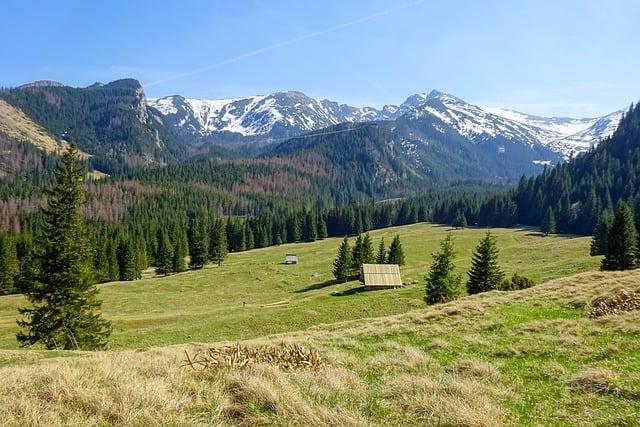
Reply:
x=596, y=380
x=18, y=126
x=450, y=400
x=374, y=373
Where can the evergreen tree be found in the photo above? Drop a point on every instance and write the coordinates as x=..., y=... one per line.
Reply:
x=8, y=264
x=342, y=263
x=199, y=243
x=356, y=255
x=127, y=262
x=141, y=258
x=621, y=242
x=396, y=254
x=548, y=223
x=180, y=250
x=164, y=255
x=309, y=230
x=218, y=248
x=322, y=228
x=249, y=241
x=367, y=255
x=601, y=233
x=485, y=273
x=63, y=311
x=442, y=284
x=460, y=221
x=381, y=257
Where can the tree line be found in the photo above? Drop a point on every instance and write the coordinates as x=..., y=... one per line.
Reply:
x=572, y=196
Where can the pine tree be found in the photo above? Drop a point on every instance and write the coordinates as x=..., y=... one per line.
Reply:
x=309, y=230
x=485, y=273
x=548, y=223
x=621, y=242
x=442, y=284
x=601, y=233
x=381, y=257
x=64, y=304
x=164, y=255
x=8, y=264
x=322, y=228
x=199, y=243
x=366, y=250
x=356, y=255
x=396, y=254
x=342, y=263
x=142, y=261
x=127, y=262
x=180, y=250
x=218, y=248
x=460, y=221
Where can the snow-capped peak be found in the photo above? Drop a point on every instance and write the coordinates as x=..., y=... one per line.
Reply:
x=284, y=114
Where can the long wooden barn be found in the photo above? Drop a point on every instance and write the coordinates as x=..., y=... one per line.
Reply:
x=380, y=276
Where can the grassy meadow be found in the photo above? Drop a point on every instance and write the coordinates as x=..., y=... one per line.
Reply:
x=207, y=305
x=525, y=358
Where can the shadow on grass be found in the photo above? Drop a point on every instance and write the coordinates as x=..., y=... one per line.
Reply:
x=316, y=286
x=351, y=291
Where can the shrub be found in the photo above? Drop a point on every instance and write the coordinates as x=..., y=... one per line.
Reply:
x=516, y=283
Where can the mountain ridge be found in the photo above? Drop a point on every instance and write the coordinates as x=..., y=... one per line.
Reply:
x=279, y=115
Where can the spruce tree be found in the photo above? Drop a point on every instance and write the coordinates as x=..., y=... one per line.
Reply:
x=63, y=311
x=366, y=250
x=199, y=243
x=442, y=284
x=485, y=273
x=548, y=223
x=127, y=262
x=381, y=257
x=621, y=242
x=218, y=248
x=180, y=250
x=356, y=255
x=309, y=230
x=164, y=255
x=396, y=254
x=342, y=263
x=8, y=264
x=460, y=220
x=601, y=233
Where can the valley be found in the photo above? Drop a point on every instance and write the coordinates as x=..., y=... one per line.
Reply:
x=207, y=305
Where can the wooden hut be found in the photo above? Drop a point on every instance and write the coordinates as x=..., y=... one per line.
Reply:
x=290, y=259
x=380, y=276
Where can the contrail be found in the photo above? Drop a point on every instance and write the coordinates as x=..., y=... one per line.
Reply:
x=284, y=43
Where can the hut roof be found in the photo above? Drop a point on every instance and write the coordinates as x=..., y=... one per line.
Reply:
x=381, y=275
x=290, y=258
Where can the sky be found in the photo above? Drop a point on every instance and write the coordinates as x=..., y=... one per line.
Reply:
x=553, y=58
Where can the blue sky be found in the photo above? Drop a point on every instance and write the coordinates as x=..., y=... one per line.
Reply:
x=575, y=58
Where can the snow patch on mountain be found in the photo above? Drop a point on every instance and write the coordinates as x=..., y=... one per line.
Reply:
x=285, y=114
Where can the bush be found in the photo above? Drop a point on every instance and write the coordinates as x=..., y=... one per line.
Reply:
x=516, y=283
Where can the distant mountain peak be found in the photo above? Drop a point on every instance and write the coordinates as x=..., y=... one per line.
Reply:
x=289, y=113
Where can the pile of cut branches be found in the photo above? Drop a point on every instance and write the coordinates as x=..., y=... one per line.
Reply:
x=617, y=302
x=284, y=356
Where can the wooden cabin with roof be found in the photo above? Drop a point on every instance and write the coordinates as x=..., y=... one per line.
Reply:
x=380, y=276
x=290, y=259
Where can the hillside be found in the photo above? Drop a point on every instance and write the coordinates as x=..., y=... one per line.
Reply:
x=529, y=357
x=110, y=121
x=206, y=305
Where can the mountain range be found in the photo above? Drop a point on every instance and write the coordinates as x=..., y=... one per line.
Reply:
x=432, y=137
x=267, y=119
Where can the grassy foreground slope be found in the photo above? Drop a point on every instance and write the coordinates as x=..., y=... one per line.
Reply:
x=529, y=357
x=207, y=305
